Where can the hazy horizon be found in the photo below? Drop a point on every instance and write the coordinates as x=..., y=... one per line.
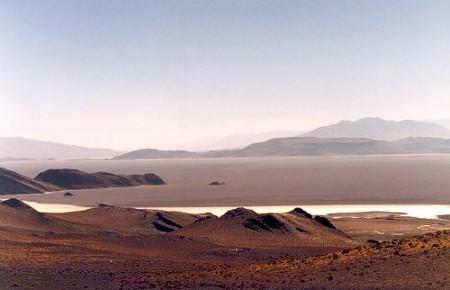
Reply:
x=236, y=141
x=129, y=75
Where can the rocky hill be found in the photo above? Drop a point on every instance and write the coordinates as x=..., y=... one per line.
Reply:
x=122, y=220
x=77, y=179
x=15, y=183
x=59, y=179
x=242, y=227
x=18, y=215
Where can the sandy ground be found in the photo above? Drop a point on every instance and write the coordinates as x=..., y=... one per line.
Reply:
x=39, y=259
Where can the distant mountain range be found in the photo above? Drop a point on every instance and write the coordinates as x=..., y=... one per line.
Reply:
x=20, y=148
x=233, y=141
x=158, y=154
x=363, y=137
x=379, y=129
x=311, y=146
x=442, y=122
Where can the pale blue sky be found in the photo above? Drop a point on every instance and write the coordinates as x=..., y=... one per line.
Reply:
x=131, y=74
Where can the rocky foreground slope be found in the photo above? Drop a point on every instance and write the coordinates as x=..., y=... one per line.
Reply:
x=112, y=247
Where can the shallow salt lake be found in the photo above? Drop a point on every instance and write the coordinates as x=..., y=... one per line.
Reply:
x=429, y=211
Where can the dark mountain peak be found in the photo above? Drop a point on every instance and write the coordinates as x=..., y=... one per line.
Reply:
x=301, y=212
x=62, y=171
x=16, y=203
x=106, y=206
x=240, y=212
x=152, y=178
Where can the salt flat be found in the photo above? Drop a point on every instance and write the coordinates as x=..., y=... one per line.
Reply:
x=425, y=211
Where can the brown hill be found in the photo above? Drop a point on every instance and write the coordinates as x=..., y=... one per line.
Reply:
x=245, y=228
x=77, y=179
x=90, y=253
x=128, y=221
x=17, y=215
x=15, y=183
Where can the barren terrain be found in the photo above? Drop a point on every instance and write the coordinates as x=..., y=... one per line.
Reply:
x=112, y=247
x=120, y=247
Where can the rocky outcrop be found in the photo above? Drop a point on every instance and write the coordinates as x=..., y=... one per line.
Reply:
x=301, y=212
x=217, y=183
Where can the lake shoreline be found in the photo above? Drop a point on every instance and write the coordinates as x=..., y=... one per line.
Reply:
x=425, y=211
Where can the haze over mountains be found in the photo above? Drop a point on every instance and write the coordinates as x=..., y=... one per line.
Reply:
x=443, y=122
x=232, y=141
x=16, y=147
x=364, y=136
x=379, y=129
x=368, y=136
x=310, y=146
